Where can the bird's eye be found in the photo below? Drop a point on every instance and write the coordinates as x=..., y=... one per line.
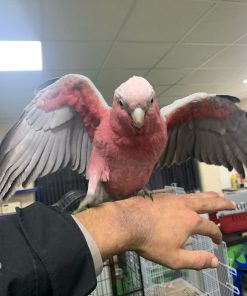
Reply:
x=150, y=101
x=120, y=103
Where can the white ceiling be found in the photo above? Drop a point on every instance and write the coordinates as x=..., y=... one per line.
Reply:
x=180, y=46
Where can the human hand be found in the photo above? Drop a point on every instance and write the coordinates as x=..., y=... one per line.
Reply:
x=165, y=225
x=158, y=229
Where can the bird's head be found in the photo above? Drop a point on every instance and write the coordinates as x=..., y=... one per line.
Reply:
x=133, y=101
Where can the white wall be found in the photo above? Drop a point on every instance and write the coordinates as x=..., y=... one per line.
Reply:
x=209, y=177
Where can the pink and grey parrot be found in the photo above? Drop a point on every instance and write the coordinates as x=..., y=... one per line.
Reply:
x=69, y=123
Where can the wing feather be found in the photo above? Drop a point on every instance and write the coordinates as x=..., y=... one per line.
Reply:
x=67, y=149
x=55, y=130
x=79, y=152
x=185, y=135
x=83, y=156
x=14, y=170
x=210, y=128
x=169, y=157
x=75, y=142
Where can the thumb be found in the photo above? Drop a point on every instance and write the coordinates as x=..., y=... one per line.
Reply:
x=196, y=259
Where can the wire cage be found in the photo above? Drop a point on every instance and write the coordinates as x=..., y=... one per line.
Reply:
x=121, y=276
x=104, y=282
x=129, y=274
x=129, y=279
x=159, y=280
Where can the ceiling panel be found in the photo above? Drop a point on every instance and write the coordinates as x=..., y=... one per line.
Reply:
x=166, y=100
x=11, y=81
x=166, y=76
x=183, y=90
x=117, y=76
x=244, y=1
x=16, y=91
x=239, y=90
x=215, y=76
x=232, y=56
x=136, y=54
x=243, y=40
x=160, y=20
x=180, y=46
x=61, y=55
x=160, y=89
x=20, y=20
x=188, y=55
x=224, y=24
x=83, y=20
x=49, y=74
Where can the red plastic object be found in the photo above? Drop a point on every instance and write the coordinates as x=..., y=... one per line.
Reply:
x=232, y=223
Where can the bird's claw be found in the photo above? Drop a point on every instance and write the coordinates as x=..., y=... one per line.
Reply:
x=145, y=192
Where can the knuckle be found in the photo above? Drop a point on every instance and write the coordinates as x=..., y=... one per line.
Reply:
x=194, y=218
x=215, y=231
x=213, y=194
x=176, y=264
x=205, y=203
x=174, y=261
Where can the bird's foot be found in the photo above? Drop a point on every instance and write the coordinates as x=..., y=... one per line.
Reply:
x=86, y=203
x=89, y=201
x=150, y=193
x=145, y=192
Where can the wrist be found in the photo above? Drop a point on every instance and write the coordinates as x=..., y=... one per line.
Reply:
x=106, y=224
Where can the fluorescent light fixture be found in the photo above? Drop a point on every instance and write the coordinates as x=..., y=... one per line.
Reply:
x=245, y=81
x=20, y=56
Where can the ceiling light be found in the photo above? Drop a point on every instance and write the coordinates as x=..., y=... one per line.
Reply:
x=20, y=56
x=245, y=81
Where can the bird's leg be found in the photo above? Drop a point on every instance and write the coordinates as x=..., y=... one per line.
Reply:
x=94, y=194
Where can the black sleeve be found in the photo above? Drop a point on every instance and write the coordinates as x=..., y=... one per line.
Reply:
x=44, y=253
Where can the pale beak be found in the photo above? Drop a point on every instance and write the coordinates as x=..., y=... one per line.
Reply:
x=138, y=117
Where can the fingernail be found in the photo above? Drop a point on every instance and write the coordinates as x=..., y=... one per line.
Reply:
x=214, y=262
x=221, y=194
x=234, y=204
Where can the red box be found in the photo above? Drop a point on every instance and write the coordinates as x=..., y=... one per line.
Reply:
x=233, y=223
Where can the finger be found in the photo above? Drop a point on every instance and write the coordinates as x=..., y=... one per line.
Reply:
x=208, y=228
x=208, y=194
x=213, y=194
x=210, y=204
x=195, y=260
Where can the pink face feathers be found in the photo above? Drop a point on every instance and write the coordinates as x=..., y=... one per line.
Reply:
x=136, y=92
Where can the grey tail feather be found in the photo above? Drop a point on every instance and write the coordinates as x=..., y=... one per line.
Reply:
x=230, y=98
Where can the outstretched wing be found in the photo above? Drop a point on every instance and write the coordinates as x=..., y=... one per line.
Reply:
x=54, y=131
x=210, y=128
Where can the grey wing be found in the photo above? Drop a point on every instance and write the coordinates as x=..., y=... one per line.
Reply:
x=41, y=143
x=209, y=128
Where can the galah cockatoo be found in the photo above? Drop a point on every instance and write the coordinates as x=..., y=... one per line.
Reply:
x=68, y=123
